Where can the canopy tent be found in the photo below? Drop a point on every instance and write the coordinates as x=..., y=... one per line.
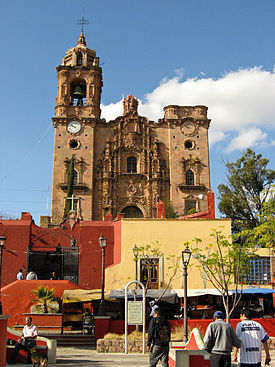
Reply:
x=168, y=296
x=256, y=291
x=83, y=295
x=200, y=292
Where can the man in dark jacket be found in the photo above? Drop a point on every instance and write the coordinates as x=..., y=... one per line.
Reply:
x=159, y=334
x=219, y=339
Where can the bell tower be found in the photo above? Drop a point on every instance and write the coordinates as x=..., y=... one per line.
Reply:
x=77, y=112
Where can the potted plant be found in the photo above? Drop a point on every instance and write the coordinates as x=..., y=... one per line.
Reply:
x=43, y=295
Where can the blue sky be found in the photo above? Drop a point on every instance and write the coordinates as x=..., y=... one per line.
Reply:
x=215, y=53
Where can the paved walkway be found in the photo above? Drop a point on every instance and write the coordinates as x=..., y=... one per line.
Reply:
x=85, y=357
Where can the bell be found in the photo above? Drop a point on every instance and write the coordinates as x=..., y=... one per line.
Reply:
x=77, y=92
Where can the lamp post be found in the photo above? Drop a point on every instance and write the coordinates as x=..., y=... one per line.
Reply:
x=102, y=242
x=135, y=252
x=2, y=244
x=186, y=255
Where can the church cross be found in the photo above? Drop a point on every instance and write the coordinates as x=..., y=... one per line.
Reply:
x=82, y=21
x=73, y=200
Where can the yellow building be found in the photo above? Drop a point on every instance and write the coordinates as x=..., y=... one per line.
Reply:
x=170, y=236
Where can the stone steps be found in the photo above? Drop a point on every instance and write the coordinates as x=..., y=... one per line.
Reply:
x=71, y=340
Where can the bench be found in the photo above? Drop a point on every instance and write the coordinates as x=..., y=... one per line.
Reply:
x=45, y=346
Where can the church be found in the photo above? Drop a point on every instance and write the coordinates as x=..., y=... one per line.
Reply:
x=112, y=179
x=127, y=165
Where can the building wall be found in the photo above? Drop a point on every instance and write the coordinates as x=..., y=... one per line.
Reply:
x=171, y=236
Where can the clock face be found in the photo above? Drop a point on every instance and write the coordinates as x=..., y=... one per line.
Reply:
x=74, y=127
x=188, y=127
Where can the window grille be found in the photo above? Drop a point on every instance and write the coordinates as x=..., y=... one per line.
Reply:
x=259, y=271
x=190, y=177
x=131, y=165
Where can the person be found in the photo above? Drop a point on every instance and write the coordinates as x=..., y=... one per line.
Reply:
x=252, y=336
x=53, y=277
x=159, y=334
x=219, y=339
x=20, y=275
x=28, y=340
x=88, y=322
x=31, y=276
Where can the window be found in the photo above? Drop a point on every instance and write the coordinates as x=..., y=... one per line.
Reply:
x=259, y=271
x=149, y=272
x=189, y=204
x=131, y=165
x=75, y=177
x=189, y=178
x=79, y=59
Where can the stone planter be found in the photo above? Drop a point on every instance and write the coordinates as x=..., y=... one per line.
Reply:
x=118, y=346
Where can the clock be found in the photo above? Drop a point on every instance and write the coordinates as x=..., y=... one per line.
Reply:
x=188, y=127
x=74, y=127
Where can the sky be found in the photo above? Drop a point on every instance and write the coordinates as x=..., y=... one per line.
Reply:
x=214, y=53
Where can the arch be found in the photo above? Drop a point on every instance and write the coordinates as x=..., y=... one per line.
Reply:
x=131, y=165
x=78, y=92
x=79, y=59
x=190, y=178
x=132, y=211
x=75, y=177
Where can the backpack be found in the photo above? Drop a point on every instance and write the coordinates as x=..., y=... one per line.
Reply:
x=163, y=331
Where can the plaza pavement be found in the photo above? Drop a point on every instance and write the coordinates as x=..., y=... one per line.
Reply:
x=86, y=357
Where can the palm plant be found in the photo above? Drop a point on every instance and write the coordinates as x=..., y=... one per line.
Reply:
x=44, y=294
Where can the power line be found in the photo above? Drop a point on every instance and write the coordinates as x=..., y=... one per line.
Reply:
x=27, y=155
x=17, y=201
x=30, y=190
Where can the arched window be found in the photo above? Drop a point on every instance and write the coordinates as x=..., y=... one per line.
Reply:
x=189, y=205
x=131, y=165
x=75, y=177
x=79, y=59
x=189, y=178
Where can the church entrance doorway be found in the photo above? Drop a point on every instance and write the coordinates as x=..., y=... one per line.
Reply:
x=132, y=212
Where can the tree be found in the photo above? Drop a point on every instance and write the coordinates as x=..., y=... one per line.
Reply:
x=225, y=264
x=169, y=210
x=43, y=295
x=248, y=188
x=263, y=235
x=70, y=186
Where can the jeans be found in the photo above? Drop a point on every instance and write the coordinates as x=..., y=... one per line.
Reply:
x=24, y=346
x=159, y=353
x=220, y=360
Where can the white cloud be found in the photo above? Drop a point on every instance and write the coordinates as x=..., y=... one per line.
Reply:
x=247, y=138
x=241, y=104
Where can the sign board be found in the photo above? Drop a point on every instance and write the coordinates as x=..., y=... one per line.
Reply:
x=135, y=313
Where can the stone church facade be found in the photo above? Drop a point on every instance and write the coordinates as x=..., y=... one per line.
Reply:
x=129, y=164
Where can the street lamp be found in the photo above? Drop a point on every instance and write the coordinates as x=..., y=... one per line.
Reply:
x=185, y=255
x=2, y=244
x=102, y=242
x=135, y=252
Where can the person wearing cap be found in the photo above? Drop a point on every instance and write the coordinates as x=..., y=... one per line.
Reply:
x=159, y=334
x=252, y=336
x=219, y=339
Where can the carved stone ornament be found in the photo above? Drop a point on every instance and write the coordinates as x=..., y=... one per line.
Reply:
x=189, y=127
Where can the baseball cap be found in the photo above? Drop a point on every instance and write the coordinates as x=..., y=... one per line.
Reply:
x=219, y=314
x=155, y=307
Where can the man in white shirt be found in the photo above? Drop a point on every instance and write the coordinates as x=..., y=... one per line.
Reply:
x=29, y=335
x=252, y=336
x=31, y=276
x=20, y=275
